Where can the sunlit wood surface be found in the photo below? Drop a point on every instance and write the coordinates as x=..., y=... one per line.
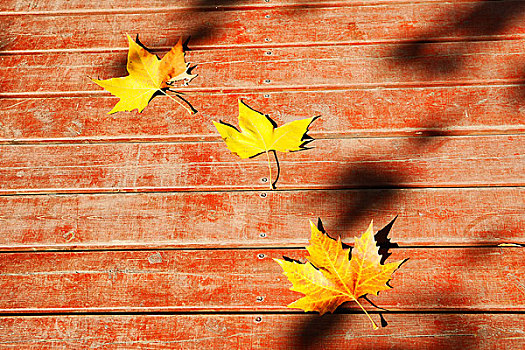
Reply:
x=142, y=231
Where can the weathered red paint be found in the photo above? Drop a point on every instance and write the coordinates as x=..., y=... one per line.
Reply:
x=286, y=68
x=342, y=22
x=421, y=103
x=334, y=163
x=475, y=216
x=484, y=279
x=263, y=331
x=454, y=110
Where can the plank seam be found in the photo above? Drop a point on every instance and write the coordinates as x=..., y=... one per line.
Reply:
x=256, y=312
x=239, y=248
x=514, y=130
x=217, y=139
x=284, y=88
x=112, y=191
x=288, y=190
x=160, y=49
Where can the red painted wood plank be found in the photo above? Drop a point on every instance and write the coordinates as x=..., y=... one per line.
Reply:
x=327, y=67
x=72, y=6
x=333, y=163
x=405, y=331
x=385, y=22
x=486, y=279
x=370, y=112
x=484, y=216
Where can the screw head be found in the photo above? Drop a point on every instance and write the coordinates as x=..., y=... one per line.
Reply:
x=261, y=256
x=262, y=234
x=258, y=319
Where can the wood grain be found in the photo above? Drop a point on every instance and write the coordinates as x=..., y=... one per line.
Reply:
x=297, y=68
x=335, y=163
x=143, y=231
x=485, y=279
x=262, y=26
x=459, y=110
x=483, y=216
x=301, y=332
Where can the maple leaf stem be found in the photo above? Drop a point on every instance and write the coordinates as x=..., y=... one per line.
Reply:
x=366, y=313
x=270, y=169
x=190, y=111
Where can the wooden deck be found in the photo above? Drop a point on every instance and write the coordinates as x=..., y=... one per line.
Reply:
x=135, y=231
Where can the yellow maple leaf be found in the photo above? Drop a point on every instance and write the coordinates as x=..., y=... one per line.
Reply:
x=259, y=135
x=330, y=277
x=147, y=76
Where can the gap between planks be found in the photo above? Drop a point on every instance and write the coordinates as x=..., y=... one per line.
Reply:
x=514, y=130
x=208, y=189
x=247, y=311
x=519, y=82
x=135, y=190
x=157, y=49
x=215, y=247
x=266, y=312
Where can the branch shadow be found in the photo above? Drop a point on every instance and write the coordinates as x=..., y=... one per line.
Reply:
x=451, y=327
x=207, y=26
x=208, y=17
x=384, y=183
x=314, y=330
x=372, y=175
x=486, y=19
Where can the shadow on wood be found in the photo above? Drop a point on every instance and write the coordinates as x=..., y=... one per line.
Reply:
x=487, y=18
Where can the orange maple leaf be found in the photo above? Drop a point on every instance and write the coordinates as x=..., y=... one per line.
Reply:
x=330, y=277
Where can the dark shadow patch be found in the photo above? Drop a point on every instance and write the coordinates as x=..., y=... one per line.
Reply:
x=486, y=18
x=313, y=332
